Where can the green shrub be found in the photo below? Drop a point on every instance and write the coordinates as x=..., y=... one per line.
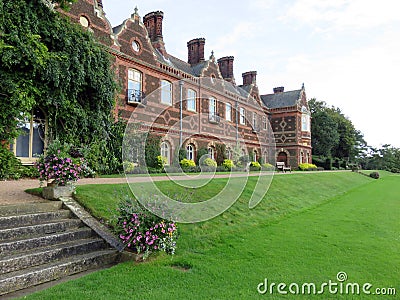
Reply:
x=129, y=167
x=255, y=166
x=9, y=165
x=161, y=162
x=267, y=167
x=307, y=167
x=374, y=175
x=209, y=162
x=187, y=163
x=228, y=164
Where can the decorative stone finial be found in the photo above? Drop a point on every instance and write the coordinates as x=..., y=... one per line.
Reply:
x=135, y=12
x=212, y=55
x=302, y=87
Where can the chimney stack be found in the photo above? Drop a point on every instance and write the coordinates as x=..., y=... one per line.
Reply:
x=249, y=78
x=226, y=67
x=279, y=89
x=196, y=51
x=153, y=22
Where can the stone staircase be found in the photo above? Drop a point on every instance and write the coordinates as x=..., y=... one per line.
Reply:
x=45, y=241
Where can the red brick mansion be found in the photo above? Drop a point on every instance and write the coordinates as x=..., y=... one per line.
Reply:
x=196, y=101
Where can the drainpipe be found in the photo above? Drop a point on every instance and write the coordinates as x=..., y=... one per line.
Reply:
x=237, y=122
x=180, y=113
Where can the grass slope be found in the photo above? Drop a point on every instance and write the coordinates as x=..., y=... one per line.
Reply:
x=307, y=229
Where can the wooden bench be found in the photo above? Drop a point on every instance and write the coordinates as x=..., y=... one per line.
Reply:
x=280, y=166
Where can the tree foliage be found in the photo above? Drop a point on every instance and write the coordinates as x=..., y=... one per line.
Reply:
x=50, y=63
x=333, y=134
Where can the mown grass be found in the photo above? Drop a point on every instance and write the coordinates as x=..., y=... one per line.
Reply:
x=308, y=228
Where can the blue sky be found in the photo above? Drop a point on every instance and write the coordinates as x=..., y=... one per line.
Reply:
x=345, y=51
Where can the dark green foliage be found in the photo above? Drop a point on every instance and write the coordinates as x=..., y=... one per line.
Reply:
x=50, y=63
x=221, y=153
x=374, y=175
x=333, y=135
x=152, y=150
x=200, y=153
x=11, y=167
x=9, y=164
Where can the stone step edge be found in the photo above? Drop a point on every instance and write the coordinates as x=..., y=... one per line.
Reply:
x=47, y=248
x=56, y=253
x=85, y=231
x=57, y=214
x=91, y=222
x=44, y=273
x=68, y=223
x=12, y=209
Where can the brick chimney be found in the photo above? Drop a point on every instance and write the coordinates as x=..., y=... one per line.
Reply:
x=249, y=78
x=226, y=68
x=196, y=50
x=153, y=22
x=279, y=89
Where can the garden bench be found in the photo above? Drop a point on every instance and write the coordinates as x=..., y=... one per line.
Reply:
x=280, y=166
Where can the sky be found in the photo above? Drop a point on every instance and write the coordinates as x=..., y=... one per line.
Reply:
x=346, y=52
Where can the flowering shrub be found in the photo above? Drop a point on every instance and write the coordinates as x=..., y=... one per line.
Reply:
x=60, y=170
x=144, y=232
x=209, y=162
x=187, y=163
x=161, y=161
x=228, y=164
x=255, y=166
x=306, y=166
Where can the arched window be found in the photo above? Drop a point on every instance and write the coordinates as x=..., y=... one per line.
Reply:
x=211, y=152
x=166, y=152
x=255, y=155
x=190, y=151
x=266, y=159
x=166, y=92
x=228, y=153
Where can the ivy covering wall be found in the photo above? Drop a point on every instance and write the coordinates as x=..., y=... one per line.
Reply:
x=50, y=63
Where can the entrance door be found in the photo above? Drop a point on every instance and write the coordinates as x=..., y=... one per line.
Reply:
x=282, y=157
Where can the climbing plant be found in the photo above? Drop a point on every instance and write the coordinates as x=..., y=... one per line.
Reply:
x=51, y=63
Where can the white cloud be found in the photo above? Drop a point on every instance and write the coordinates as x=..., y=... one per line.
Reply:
x=343, y=14
x=362, y=83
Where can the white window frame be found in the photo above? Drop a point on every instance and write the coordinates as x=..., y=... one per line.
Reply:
x=228, y=111
x=212, y=106
x=264, y=121
x=135, y=82
x=254, y=120
x=211, y=152
x=166, y=92
x=190, y=151
x=191, y=100
x=242, y=116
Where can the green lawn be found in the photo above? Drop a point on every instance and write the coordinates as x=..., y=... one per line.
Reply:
x=308, y=228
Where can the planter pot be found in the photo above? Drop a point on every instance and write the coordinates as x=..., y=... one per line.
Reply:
x=55, y=192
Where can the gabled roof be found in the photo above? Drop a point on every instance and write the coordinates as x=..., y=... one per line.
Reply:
x=279, y=100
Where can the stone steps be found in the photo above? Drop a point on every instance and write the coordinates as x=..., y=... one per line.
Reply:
x=44, y=241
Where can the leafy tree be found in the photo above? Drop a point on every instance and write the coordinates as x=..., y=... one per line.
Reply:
x=333, y=135
x=50, y=63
